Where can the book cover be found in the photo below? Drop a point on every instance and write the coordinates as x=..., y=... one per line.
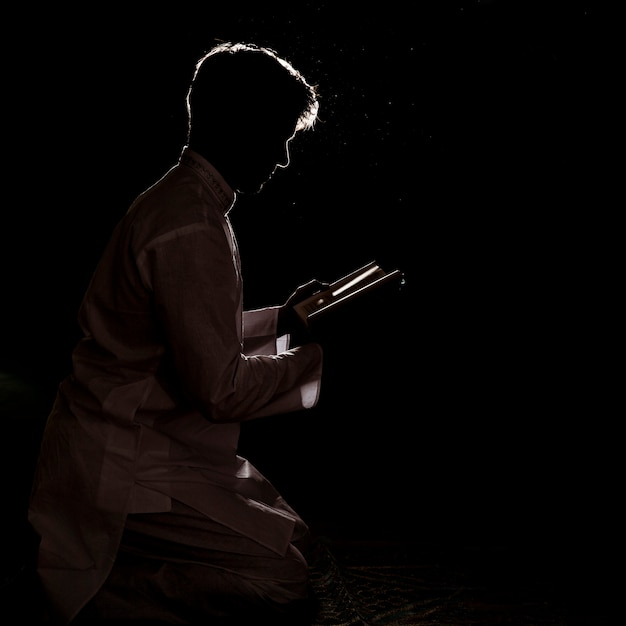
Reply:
x=349, y=288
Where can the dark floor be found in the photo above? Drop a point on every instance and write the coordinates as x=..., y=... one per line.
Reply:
x=558, y=571
x=454, y=585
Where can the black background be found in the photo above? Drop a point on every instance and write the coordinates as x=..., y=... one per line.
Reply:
x=466, y=143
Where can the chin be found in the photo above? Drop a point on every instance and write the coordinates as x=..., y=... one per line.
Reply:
x=251, y=188
x=248, y=191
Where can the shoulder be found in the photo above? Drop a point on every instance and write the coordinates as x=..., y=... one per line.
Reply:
x=175, y=208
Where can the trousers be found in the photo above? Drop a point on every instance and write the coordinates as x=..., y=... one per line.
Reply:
x=181, y=567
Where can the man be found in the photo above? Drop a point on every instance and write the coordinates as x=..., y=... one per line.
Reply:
x=144, y=508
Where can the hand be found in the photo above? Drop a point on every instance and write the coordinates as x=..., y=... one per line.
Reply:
x=288, y=320
x=306, y=291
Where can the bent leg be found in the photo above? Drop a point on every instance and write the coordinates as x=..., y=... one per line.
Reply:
x=181, y=567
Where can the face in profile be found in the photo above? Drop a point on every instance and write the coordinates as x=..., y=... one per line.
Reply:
x=262, y=151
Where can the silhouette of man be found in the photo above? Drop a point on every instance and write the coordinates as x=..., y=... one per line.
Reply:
x=144, y=509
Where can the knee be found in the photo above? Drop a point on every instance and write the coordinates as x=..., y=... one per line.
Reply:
x=286, y=581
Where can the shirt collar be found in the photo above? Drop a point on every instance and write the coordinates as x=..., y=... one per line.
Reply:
x=210, y=176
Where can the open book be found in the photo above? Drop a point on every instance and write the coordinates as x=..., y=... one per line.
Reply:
x=363, y=281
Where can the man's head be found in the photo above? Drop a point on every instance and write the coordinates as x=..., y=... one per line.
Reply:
x=245, y=103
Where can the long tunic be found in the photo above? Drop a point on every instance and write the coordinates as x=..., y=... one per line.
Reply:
x=168, y=367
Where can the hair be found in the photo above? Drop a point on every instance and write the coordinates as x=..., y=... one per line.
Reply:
x=243, y=81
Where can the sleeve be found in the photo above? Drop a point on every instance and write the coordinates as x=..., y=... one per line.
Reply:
x=260, y=338
x=198, y=301
x=259, y=332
